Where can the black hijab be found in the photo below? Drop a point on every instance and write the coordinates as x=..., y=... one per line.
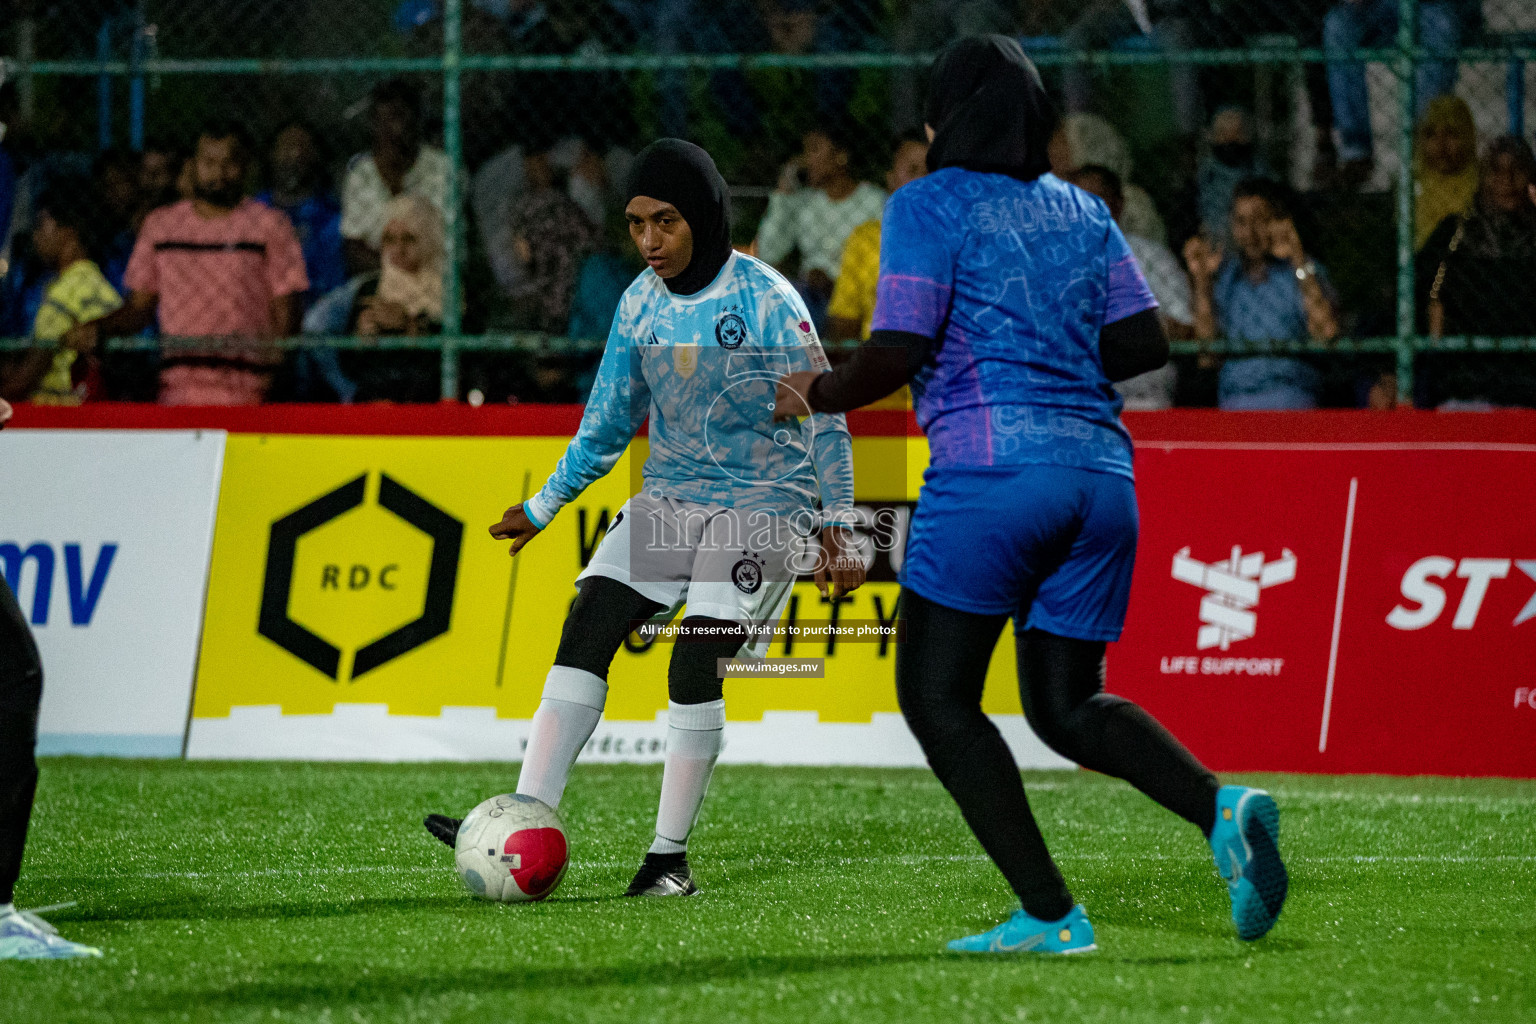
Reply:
x=988, y=110
x=680, y=173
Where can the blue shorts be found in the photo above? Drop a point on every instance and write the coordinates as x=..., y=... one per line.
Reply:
x=1053, y=546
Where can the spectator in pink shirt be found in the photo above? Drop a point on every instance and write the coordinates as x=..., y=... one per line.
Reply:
x=219, y=268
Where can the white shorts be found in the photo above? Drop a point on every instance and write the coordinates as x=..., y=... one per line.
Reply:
x=721, y=562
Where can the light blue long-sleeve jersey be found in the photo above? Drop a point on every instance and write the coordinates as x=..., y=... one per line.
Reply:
x=704, y=367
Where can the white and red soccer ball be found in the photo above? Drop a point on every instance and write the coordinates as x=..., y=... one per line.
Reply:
x=511, y=849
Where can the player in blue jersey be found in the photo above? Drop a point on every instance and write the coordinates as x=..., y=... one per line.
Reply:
x=1011, y=301
x=728, y=510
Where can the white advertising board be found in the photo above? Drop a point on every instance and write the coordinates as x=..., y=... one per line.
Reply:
x=105, y=537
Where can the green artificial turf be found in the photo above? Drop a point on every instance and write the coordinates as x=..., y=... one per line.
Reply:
x=310, y=892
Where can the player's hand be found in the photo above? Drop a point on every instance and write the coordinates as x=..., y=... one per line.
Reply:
x=5, y=413
x=792, y=397
x=839, y=565
x=516, y=527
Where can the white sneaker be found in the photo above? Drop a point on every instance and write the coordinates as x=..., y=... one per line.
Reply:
x=25, y=936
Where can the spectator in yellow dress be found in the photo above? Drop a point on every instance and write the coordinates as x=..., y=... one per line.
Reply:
x=47, y=373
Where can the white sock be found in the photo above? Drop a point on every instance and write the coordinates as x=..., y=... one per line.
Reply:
x=571, y=708
x=694, y=734
x=7, y=908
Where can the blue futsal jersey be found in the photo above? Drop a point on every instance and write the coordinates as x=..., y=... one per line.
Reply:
x=1015, y=279
x=1028, y=508
x=704, y=368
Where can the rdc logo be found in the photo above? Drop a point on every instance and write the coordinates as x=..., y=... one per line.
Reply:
x=435, y=581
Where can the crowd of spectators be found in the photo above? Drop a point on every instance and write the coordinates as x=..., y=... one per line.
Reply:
x=220, y=247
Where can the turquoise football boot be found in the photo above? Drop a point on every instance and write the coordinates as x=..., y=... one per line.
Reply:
x=1022, y=933
x=25, y=936
x=1246, y=845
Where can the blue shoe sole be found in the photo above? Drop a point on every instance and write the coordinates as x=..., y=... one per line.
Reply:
x=1029, y=935
x=1023, y=952
x=1257, y=899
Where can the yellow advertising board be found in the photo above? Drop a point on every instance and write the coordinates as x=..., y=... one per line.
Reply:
x=360, y=571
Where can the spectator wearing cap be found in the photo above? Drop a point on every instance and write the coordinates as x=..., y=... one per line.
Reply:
x=397, y=163
x=220, y=268
x=1267, y=289
x=79, y=293
x=818, y=203
x=1170, y=287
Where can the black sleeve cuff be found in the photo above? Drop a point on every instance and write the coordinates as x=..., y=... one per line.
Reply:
x=1133, y=346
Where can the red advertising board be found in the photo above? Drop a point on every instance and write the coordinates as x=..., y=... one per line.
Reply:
x=1338, y=606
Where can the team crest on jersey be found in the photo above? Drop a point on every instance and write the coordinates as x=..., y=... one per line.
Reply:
x=730, y=331
x=747, y=575
x=685, y=359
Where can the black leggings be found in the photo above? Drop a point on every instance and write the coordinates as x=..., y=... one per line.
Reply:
x=940, y=670
x=605, y=612
x=21, y=691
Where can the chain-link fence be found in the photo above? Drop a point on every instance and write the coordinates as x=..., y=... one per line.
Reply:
x=449, y=174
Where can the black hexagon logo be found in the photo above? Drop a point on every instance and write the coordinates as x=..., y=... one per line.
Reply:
x=447, y=535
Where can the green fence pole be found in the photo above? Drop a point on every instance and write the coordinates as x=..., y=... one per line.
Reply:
x=453, y=215
x=1407, y=83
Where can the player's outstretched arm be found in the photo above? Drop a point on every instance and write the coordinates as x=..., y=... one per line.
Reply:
x=615, y=409
x=882, y=365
